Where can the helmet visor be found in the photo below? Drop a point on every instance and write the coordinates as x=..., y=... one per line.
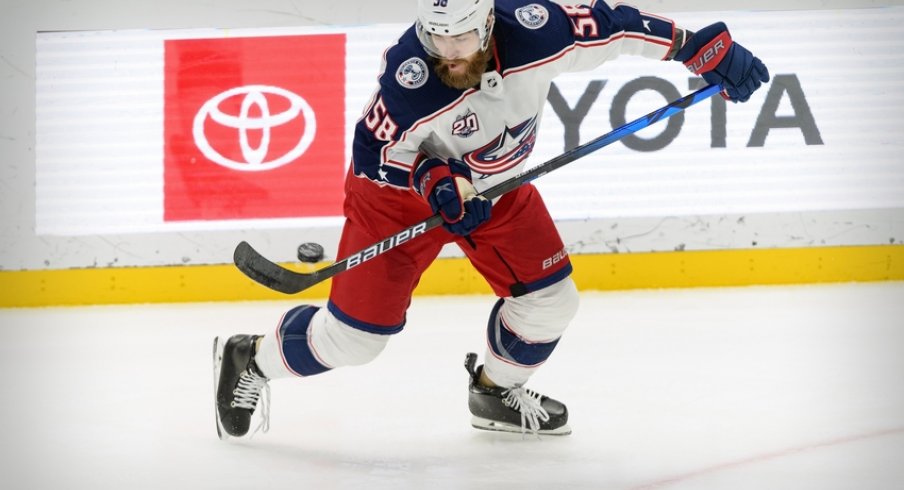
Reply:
x=451, y=47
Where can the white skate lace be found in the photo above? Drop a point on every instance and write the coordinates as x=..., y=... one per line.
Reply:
x=248, y=391
x=528, y=403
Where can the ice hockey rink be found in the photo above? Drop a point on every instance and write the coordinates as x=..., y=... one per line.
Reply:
x=790, y=387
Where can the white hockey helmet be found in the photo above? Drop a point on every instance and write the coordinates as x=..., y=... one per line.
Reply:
x=442, y=20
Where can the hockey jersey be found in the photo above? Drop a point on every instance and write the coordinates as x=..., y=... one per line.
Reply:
x=492, y=127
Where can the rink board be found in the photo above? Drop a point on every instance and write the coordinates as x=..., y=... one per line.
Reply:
x=456, y=276
x=130, y=171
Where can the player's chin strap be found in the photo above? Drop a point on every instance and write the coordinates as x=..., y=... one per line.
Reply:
x=284, y=280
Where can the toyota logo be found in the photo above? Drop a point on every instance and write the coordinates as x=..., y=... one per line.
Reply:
x=253, y=159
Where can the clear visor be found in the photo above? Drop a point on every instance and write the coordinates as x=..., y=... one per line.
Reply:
x=449, y=47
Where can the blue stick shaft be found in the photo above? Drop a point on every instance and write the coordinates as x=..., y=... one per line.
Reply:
x=601, y=141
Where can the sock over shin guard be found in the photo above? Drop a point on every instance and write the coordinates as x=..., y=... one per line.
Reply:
x=310, y=340
x=523, y=331
x=289, y=350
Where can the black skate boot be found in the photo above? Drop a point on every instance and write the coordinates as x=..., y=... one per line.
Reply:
x=513, y=409
x=238, y=383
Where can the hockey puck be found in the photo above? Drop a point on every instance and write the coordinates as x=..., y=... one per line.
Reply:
x=310, y=252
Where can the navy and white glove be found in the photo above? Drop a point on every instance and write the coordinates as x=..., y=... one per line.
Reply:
x=711, y=54
x=447, y=187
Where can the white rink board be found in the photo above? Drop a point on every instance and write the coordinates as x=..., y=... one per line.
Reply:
x=99, y=139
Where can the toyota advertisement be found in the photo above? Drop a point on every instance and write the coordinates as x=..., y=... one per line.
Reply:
x=252, y=136
x=243, y=129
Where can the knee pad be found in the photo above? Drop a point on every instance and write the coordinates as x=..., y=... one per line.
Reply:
x=542, y=316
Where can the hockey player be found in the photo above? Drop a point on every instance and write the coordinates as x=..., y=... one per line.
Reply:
x=459, y=101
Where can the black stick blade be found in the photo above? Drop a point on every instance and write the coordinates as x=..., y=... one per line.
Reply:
x=267, y=273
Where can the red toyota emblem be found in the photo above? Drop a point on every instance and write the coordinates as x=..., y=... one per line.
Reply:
x=255, y=115
x=254, y=127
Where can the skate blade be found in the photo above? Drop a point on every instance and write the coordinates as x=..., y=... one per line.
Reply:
x=217, y=362
x=493, y=425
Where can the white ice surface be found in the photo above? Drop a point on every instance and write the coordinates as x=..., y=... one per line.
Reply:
x=751, y=388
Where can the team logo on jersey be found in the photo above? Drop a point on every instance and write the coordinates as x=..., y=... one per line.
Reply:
x=465, y=125
x=506, y=150
x=533, y=16
x=412, y=73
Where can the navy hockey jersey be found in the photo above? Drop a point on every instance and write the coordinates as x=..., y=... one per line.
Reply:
x=493, y=127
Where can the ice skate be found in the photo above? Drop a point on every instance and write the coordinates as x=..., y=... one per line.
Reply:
x=513, y=409
x=238, y=384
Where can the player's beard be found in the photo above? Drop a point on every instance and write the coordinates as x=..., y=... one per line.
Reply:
x=474, y=69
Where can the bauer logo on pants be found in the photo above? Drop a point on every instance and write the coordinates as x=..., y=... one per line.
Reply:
x=252, y=132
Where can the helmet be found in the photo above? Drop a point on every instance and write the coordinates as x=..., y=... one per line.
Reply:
x=452, y=18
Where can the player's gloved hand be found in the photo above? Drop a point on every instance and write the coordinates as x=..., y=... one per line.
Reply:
x=711, y=54
x=447, y=187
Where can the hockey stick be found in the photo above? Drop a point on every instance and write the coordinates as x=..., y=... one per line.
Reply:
x=278, y=278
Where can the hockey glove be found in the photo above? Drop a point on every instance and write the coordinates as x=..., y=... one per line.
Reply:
x=448, y=189
x=711, y=54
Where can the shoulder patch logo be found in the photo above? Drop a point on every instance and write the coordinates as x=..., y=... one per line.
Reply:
x=533, y=16
x=412, y=73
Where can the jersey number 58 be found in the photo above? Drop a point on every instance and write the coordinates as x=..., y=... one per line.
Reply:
x=582, y=20
x=379, y=122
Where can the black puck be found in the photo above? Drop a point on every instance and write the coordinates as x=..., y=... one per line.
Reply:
x=310, y=252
